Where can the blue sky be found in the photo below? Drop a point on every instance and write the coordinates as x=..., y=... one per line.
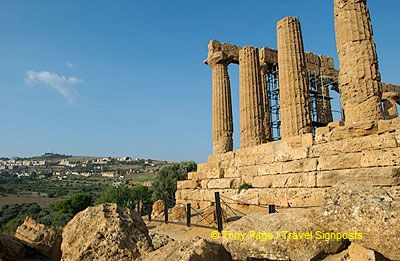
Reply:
x=114, y=78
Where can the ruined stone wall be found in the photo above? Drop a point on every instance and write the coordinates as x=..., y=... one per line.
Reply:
x=296, y=173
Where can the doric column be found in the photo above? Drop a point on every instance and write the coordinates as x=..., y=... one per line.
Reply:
x=293, y=83
x=359, y=78
x=251, y=101
x=222, y=122
x=264, y=95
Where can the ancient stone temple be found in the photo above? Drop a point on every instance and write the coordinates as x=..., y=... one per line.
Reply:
x=291, y=150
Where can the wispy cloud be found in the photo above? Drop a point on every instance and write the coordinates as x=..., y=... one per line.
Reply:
x=60, y=83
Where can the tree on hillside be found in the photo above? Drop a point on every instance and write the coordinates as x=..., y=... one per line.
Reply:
x=164, y=186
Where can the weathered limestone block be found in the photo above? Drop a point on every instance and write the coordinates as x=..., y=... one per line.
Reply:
x=389, y=125
x=341, y=161
x=278, y=248
x=204, y=183
x=303, y=165
x=158, y=208
x=187, y=184
x=245, y=161
x=357, y=144
x=215, y=173
x=379, y=158
x=356, y=252
x=386, y=176
x=224, y=183
x=359, y=77
x=370, y=211
x=305, y=197
x=231, y=173
x=251, y=100
x=202, y=167
x=293, y=82
x=222, y=119
x=285, y=180
x=248, y=171
x=248, y=196
x=292, y=197
x=196, y=175
x=356, y=130
x=271, y=169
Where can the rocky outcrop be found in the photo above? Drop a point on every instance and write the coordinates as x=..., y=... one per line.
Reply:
x=40, y=237
x=192, y=249
x=105, y=232
x=374, y=212
x=159, y=240
x=270, y=241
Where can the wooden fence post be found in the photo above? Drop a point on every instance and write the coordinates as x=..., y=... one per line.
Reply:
x=188, y=213
x=218, y=211
x=165, y=212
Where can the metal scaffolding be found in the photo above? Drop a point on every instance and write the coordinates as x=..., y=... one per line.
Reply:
x=320, y=107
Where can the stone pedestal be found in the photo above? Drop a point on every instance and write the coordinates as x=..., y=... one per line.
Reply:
x=293, y=83
x=222, y=122
x=251, y=98
x=359, y=78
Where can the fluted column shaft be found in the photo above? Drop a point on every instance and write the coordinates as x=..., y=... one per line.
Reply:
x=359, y=78
x=293, y=81
x=222, y=122
x=251, y=101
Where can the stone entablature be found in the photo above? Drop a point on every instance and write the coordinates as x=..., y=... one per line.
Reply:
x=296, y=172
x=229, y=53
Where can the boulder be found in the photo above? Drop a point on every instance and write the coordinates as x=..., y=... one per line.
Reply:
x=105, y=232
x=12, y=249
x=192, y=249
x=267, y=237
x=178, y=213
x=158, y=208
x=40, y=237
x=356, y=252
x=373, y=212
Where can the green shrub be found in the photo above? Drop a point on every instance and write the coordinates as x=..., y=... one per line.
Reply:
x=244, y=186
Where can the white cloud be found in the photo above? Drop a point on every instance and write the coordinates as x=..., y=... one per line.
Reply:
x=61, y=83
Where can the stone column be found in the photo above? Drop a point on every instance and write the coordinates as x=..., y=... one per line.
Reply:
x=222, y=122
x=293, y=82
x=264, y=95
x=359, y=78
x=251, y=101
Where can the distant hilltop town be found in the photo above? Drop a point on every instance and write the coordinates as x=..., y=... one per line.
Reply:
x=59, y=166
